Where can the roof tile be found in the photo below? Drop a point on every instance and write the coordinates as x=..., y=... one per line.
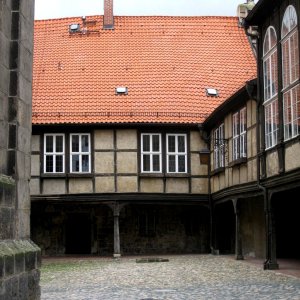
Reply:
x=166, y=63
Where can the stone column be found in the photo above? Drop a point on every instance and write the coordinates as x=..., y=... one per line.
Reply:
x=117, y=251
x=213, y=241
x=238, y=235
x=116, y=208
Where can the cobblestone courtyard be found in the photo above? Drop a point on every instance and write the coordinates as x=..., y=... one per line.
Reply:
x=183, y=277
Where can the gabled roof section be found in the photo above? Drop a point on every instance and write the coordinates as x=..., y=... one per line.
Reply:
x=166, y=64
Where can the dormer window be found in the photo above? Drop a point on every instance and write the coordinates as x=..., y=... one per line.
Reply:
x=121, y=90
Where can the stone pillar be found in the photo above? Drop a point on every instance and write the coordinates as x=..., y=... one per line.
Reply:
x=116, y=208
x=117, y=250
x=271, y=259
x=238, y=235
x=213, y=241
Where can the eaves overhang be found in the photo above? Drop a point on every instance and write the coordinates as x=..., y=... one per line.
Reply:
x=262, y=9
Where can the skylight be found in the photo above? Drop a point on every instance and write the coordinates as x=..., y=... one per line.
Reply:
x=212, y=92
x=121, y=90
x=74, y=27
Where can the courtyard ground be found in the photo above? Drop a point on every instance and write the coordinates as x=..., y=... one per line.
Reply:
x=183, y=277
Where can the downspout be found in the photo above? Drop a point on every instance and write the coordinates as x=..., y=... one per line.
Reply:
x=259, y=150
x=210, y=201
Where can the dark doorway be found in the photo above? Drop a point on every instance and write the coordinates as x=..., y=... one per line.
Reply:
x=287, y=223
x=78, y=234
x=225, y=227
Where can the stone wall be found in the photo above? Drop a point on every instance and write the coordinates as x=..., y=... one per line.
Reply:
x=19, y=257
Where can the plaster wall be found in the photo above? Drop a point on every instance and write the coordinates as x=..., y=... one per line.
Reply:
x=292, y=157
x=272, y=163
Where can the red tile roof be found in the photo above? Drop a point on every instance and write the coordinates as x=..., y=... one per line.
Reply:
x=166, y=63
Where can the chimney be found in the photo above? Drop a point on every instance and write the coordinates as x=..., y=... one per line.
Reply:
x=108, y=19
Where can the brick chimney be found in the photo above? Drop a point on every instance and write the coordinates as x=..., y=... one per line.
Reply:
x=108, y=19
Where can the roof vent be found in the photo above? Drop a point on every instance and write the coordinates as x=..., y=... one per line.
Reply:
x=212, y=92
x=121, y=90
x=74, y=28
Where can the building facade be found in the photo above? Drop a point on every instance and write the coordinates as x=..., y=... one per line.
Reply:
x=278, y=145
x=119, y=161
x=154, y=145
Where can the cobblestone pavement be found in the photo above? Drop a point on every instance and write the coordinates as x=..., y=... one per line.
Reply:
x=183, y=277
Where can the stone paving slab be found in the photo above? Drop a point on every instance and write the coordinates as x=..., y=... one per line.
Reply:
x=184, y=277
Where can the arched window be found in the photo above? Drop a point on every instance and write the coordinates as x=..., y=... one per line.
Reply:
x=270, y=69
x=290, y=73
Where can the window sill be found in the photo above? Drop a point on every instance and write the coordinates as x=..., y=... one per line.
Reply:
x=53, y=175
x=69, y=175
x=81, y=175
x=162, y=175
x=217, y=171
x=292, y=140
x=180, y=175
x=155, y=175
x=238, y=162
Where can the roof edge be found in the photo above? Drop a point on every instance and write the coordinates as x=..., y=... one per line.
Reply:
x=239, y=98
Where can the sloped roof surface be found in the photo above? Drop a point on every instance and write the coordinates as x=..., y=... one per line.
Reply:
x=165, y=62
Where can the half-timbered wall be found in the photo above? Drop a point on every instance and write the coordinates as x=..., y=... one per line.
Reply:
x=241, y=170
x=116, y=166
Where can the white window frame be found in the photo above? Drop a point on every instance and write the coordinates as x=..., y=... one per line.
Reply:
x=293, y=53
x=176, y=153
x=270, y=65
x=151, y=153
x=270, y=70
x=80, y=152
x=291, y=113
x=219, y=147
x=239, y=138
x=271, y=117
x=54, y=153
x=290, y=73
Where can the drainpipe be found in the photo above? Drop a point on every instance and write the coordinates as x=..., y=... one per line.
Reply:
x=270, y=262
x=210, y=201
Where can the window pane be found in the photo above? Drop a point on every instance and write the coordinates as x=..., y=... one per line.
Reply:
x=156, y=163
x=49, y=163
x=59, y=143
x=85, y=163
x=181, y=143
x=155, y=143
x=146, y=163
x=146, y=143
x=235, y=149
x=181, y=163
x=75, y=163
x=59, y=163
x=85, y=143
x=172, y=165
x=49, y=143
x=171, y=143
x=294, y=57
x=75, y=143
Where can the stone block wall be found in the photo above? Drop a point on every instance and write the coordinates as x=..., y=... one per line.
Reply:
x=19, y=257
x=19, y=270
